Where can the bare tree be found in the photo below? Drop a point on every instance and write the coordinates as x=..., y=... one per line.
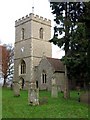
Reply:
x=10, y=71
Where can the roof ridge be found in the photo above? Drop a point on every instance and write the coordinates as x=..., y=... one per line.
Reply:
x=53, y=58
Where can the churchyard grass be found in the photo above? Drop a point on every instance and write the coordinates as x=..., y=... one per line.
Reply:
x=17, y=107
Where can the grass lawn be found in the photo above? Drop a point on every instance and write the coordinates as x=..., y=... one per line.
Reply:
x=17, y=107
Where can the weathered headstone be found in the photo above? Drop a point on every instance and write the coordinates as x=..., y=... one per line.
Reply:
x=85, y=97
x=16, y=88
x=33, y=94
x=54, y=92
x=66, y=93
x=20, y=85
x=26, y=86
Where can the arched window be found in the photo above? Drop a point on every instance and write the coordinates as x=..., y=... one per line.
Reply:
x=22, y=67
x=44, y=77
x=22, y=33
x=41, y=33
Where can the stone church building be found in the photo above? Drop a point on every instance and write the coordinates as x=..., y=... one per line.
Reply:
x=33, y=54
x=47, y=69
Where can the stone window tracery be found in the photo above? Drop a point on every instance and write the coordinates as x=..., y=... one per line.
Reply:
x=22, y=67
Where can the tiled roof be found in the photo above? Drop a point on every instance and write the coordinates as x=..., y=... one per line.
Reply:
x=56, y=64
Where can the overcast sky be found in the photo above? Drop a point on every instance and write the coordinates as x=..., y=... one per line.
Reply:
x=11, y=10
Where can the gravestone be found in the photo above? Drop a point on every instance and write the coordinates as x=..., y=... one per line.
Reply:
x=66, y=92
x=20, y=85
x=33, y=94
x=85, y=97
x=16, y=88
x=26, y=85
x=54, y=92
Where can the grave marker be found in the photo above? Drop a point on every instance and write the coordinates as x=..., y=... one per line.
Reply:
x=33, y=94
x=16, y=88
x=54, y=92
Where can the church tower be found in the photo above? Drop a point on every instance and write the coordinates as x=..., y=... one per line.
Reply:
x=32, y=35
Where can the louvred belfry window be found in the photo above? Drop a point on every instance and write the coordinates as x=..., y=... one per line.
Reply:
x=41, y=33
x=22, y=33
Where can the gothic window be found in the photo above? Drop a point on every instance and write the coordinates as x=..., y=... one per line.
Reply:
x=41, y=33
x=22, y=33
x=44, y=77
x=22, y=67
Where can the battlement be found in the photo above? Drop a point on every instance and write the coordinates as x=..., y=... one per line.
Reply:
x=33, y=17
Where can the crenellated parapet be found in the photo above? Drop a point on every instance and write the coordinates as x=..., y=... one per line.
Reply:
x=33, y=17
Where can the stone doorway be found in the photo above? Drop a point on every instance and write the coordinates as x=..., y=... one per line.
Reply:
x=37, y=84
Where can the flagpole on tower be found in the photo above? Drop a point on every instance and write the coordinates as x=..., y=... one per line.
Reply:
x=33, y=7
